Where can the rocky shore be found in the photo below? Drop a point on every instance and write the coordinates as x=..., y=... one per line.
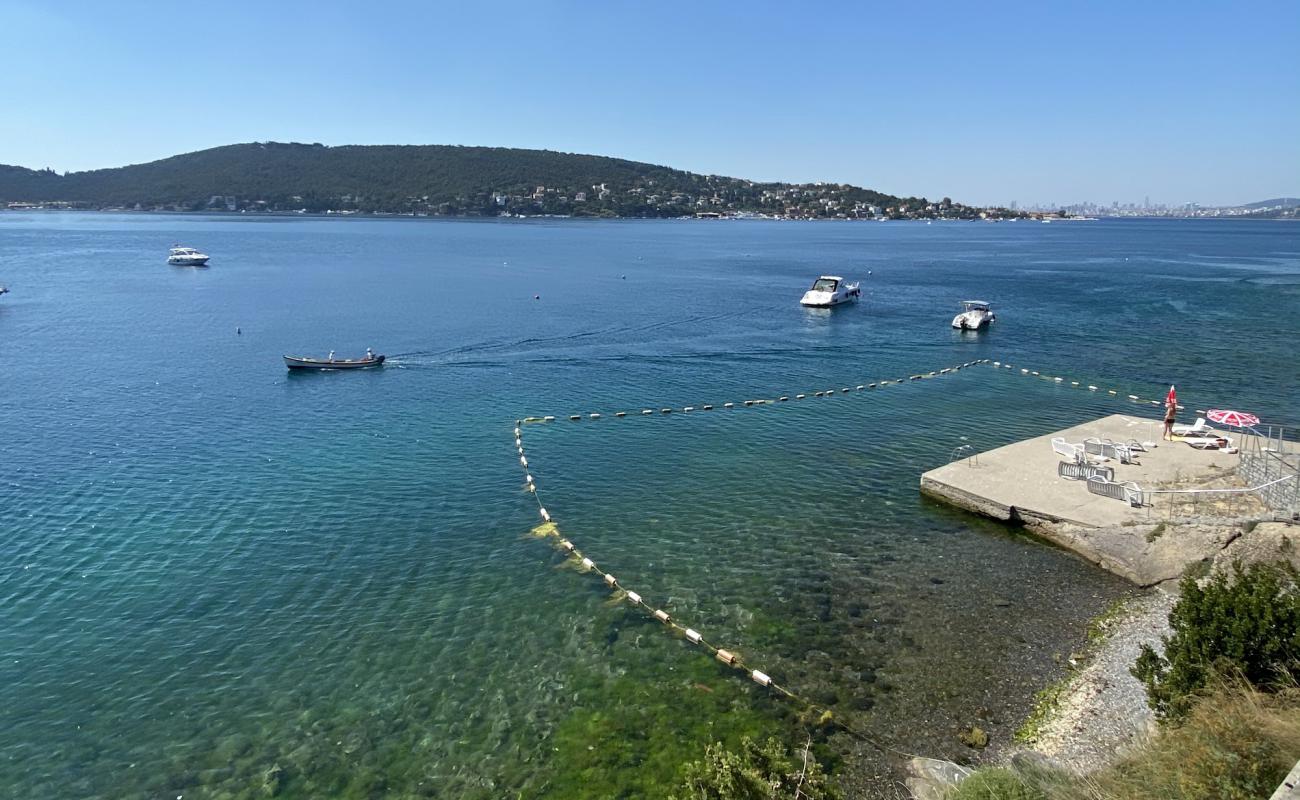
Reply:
x=1101, y=709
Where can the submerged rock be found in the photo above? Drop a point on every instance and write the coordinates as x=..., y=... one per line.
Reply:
x=273, y=780
x=974, y=737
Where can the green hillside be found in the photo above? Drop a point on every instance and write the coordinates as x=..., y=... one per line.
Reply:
x=433, y=179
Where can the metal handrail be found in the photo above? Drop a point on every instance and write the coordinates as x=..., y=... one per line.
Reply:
x=971, y=456
x=1195, y=494
x=1222, y=491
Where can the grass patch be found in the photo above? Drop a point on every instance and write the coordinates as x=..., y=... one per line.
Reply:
x=1156, y=533
x=1235, y=744
x=1197, y=570
x=997, y=783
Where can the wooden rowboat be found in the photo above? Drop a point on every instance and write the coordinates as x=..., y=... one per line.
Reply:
x=302, y=362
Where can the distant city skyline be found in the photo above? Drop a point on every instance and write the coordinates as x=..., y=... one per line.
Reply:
x=1159, y=104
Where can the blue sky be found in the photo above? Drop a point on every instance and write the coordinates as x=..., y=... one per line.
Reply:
x=987, y=103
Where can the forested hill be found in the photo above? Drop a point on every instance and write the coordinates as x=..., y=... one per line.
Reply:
x=436, y=179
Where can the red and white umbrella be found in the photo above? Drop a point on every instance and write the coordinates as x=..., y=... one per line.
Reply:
x=1171, y=399
x=1237, y=419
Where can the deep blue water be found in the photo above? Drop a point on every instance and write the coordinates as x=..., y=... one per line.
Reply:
x=218, y=579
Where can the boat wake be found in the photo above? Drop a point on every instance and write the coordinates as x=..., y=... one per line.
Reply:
x=615, y=333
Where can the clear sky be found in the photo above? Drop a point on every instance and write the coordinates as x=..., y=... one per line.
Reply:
x=984, y=102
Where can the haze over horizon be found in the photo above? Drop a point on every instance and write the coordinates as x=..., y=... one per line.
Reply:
x=1102, y=103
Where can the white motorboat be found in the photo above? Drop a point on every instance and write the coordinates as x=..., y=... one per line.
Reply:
x=187, y=257
x=975, y=315
x=830, y=290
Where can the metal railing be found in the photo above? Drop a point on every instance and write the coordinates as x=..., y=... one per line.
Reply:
x=1272, y=460
x=967, y=452
x=1195, y=495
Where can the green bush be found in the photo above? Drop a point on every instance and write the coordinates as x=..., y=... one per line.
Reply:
x=755, y=772
x=1247, y=626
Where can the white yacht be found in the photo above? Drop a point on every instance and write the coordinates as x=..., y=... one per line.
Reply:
x=975, y=314
x=187, y=257
x=830, y=290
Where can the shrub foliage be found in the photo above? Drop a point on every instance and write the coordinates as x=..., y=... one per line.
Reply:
x=1246, y=623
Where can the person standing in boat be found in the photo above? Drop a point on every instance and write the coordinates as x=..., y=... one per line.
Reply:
x=330, y=357
x=370, y=355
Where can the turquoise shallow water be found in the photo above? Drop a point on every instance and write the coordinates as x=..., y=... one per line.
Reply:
x=219, y=578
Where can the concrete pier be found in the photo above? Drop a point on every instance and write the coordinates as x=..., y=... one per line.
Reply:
x=1018, y=483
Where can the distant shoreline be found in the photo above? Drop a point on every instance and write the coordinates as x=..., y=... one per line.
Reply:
x=371, y=215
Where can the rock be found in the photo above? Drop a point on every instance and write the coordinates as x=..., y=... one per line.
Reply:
x=1131, y=552
x=1033, y=761
x=1265, y=542
x=933, y=778
x=273, y=780
x=975, y=737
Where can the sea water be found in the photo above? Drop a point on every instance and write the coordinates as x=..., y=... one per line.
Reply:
x=220, y=579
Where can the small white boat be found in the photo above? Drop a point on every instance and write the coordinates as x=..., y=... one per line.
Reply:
x=187, y=257
x=975, y=314
x=830, y=290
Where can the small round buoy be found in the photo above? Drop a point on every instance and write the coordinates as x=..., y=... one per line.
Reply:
x=537, y=297
x=239, y=331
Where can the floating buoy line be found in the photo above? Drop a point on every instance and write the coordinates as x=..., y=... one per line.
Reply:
x=767, y=401
x=549, y=529
x=1118, y=394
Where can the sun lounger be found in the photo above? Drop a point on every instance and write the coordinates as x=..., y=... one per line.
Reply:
x=1214, y=442
x=1185, y=430
x=1074, y=452
x=1128, y=491
x=1073, y=471
x=1108, y=449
